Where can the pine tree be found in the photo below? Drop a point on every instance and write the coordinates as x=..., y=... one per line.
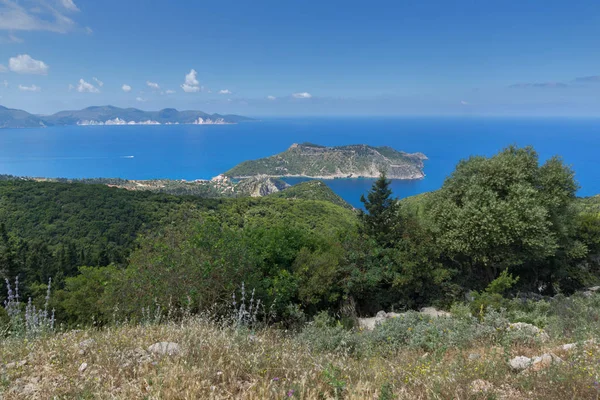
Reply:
x=380, y=219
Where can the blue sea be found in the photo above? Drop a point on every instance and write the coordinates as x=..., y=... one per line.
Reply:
x=200, y=152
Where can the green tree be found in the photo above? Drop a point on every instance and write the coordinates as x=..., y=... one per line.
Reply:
x=507, y=211
x=380, y=220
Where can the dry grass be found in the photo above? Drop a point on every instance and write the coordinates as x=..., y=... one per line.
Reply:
x=221, y=363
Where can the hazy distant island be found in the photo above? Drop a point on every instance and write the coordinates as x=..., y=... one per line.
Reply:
x=110, y=115
x=352, y=161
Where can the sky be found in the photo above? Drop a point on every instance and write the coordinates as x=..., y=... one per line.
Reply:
x=304, y=57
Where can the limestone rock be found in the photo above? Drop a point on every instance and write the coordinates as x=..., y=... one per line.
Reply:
x=532, y=330
x=83, y=367
x=434, y=312
x=544, y=361
x=480, y=386
x=520, y=363
x=165, y=348
x=568, y=346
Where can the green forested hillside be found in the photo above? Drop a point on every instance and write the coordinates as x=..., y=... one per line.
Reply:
x=498, y=227
x=312, y=190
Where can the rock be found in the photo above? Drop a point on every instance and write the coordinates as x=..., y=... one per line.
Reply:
x=434, y=312
x=480, y=386
x=594, y=289
x=544, y=361
x=474, y=356
x=381, y=316
x=17, y=364
x=393, y=315
x=83, y=367
x=532, y=330
x=369, y=323
x=568, y=346
x=520, y=363
x=165, y=348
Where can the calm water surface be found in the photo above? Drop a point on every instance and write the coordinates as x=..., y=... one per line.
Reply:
x=195, y=151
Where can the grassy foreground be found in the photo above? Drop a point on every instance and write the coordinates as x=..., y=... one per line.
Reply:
x=218, y=362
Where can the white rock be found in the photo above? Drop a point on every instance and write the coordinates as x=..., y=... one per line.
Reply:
x=369, y=323
x=83, y=367
x=568, y=346
x=594, y=289
x=434, y=312
x=480, y=386
x=165, y=348
x=520, y=363
x=530, y=329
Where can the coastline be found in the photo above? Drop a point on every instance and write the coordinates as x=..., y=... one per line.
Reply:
x=328, y=177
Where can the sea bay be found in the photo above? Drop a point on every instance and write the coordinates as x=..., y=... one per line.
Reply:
x=201, y=152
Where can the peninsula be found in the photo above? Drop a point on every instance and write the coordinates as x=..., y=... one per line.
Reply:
x=110, y=115
x=352, y=161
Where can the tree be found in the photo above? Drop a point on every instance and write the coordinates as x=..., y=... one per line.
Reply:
x=507, y=211
x=380, y=220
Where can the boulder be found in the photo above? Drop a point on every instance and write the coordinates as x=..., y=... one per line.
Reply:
x=370, y=323
x=165, y=348
x=520, y=363
x=434, y=312
x=568, y=346
x=532, y=330
x=381, y=316
x=544, y=361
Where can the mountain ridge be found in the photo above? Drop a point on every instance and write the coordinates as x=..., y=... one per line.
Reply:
x=108, y=114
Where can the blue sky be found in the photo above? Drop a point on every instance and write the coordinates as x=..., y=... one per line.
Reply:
x=305, y=57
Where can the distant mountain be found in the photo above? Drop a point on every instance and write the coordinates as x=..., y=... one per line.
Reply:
x=10, y=118
x=100, y=115
x=353, y=161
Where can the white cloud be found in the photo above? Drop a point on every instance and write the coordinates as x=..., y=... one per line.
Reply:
x=271, y=97
x=303, y=95
x=86, y=87
x=34, y=15
x=191, y=84
x=190, y=89
x=225, y=91
x=3, y=68
x=24, y=64
x=11, y=39
x=169, y=91
x=190, y=79
x=69, y=5
x=98, y=81
x=126, y=88
x=31, y=88
x=4, y=83
x=464, y=103
x=140, y=99
x=89, y=30
x=153, y=85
